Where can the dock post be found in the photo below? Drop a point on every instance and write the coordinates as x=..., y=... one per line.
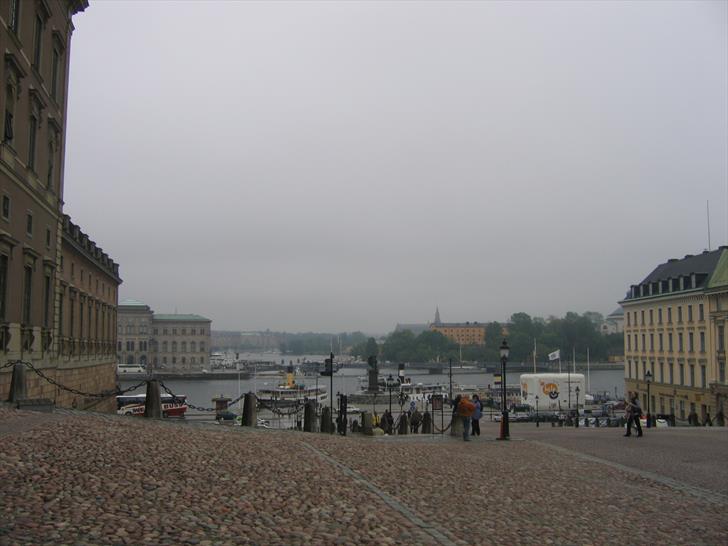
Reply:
x=250, y=413
x=366, y=423
x=153, y=400
x=403, y=423
x=17, y=383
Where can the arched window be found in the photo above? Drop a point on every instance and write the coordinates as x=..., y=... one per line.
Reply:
x=130, y=359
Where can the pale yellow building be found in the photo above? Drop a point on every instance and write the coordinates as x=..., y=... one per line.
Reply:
x=675, y=328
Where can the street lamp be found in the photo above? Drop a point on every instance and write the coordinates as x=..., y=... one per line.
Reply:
x=390, y=385
x=504, y=351
x=577, y=407
x=648, y=379
x=537, y=411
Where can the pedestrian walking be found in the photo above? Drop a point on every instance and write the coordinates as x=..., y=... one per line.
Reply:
x=719, y=419
x=634, y=412
x=707, y=421
x=465, y=410
x=477, y=415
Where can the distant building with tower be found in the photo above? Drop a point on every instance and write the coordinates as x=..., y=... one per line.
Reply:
x=462, y=333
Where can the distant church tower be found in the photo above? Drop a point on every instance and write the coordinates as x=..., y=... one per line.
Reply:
x=437, y=316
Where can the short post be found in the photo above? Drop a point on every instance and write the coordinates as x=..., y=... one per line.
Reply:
x=366, y=423
x=17, y=383
x=309, y=416
x=426, y=423
x=250, y=410
x=403, y=424
x=153, y=400
x=326, y=424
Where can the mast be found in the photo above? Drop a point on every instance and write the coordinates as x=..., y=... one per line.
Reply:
x=534, y=355
x=588, y=376
x=573, y=358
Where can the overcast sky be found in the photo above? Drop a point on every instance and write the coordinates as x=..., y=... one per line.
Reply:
x=337, y=166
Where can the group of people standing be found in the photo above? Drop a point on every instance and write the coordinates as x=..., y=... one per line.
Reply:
x=469, y=411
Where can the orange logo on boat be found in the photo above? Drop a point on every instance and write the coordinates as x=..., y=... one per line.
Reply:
x=552, y=389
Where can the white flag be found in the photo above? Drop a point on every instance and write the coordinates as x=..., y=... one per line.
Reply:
x=556, y=355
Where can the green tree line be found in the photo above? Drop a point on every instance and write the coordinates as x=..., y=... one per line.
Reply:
x=573, y=331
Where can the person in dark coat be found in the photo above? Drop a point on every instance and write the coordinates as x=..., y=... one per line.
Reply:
x=634, y=412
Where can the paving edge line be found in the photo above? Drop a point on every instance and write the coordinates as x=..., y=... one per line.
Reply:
x=438, y=534
x=694, y=490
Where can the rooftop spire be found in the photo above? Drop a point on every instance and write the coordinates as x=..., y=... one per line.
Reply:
x=437, y=315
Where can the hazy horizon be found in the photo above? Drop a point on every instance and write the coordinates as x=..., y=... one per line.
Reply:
x=333, y=167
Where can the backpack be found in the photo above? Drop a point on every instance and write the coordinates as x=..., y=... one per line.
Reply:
x=466, y=408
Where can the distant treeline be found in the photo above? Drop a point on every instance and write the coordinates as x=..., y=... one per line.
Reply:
x=319, y=344
x=572, y=331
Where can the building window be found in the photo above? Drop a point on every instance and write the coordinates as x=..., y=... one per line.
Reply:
x=118, y=346
x=659, y=315
x=644, y=343
x=628, y=321
x=721, y=372
x=32, y=137
x=193, y=332
x=682, y=409
x=184, y=331
x=651, y=317
x=27, y=294
x=3, y=285
x=29, y=224
x=701, y=313
x=14, y=15
x=662, y=372
x=679, y=314
x=660, y=340
x=690, y=313
x=6, y=207
x=174, y=331
x=680, y=347
x=174, y=360
x=184, y=360
x=193, y=347
x=703, y=377
x=164, y=360
x=669, y=342
x=691, y=346
x=55, y=74
x=644, y=369
x=669, y=315
x=183, y=346
x=48, y=237
x=642, y=317
x=164, y=332
x=692, y=375
x=671, y=371
x=9, y=114
x=174, y=346
x=164, y=346
x=652, y=343
x=702, y=342
x=682, y=374
x=155, y=331
x=629, y=343
x=47, y=301
x=37, y=42
x=202, y=346
x=192, y=360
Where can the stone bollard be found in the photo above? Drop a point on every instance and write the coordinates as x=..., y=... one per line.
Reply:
x=250, y=410
x=326, y=425
x=403, y=424
x=17, y=383
x=366, y=423
x=427, y=423
x=153, y=400
x=456, y=426
x=309, y=416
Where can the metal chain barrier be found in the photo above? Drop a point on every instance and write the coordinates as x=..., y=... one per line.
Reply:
x=441, y=431
x=177, y=400
x=103, y=394
x=276, y=411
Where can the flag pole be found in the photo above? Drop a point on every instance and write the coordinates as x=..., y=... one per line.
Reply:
x=573, y=358
x=534, y=355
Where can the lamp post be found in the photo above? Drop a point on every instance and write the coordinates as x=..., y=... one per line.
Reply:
x=576, y=423
x=648, y=380
x=537, y=411
x=450, y=394
x=504, y=432
x=390, y=385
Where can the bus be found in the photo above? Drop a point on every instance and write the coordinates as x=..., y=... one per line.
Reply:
x=133, y=404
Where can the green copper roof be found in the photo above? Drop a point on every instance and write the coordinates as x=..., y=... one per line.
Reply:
x=190, y=318
x=720, y=273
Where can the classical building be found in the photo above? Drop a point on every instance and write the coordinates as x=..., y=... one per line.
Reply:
x=462, y=333
x=675, y=328
x=58, y=288
x=176, y=342
x=614, y=323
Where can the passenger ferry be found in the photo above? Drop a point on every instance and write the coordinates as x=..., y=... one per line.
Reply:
x=419, y=393
x=290, y=393
x=133, y=404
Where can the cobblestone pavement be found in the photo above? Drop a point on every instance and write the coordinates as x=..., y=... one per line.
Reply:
x=87, y=479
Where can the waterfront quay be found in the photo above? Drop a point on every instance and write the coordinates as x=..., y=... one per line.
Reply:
x=70, y=477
